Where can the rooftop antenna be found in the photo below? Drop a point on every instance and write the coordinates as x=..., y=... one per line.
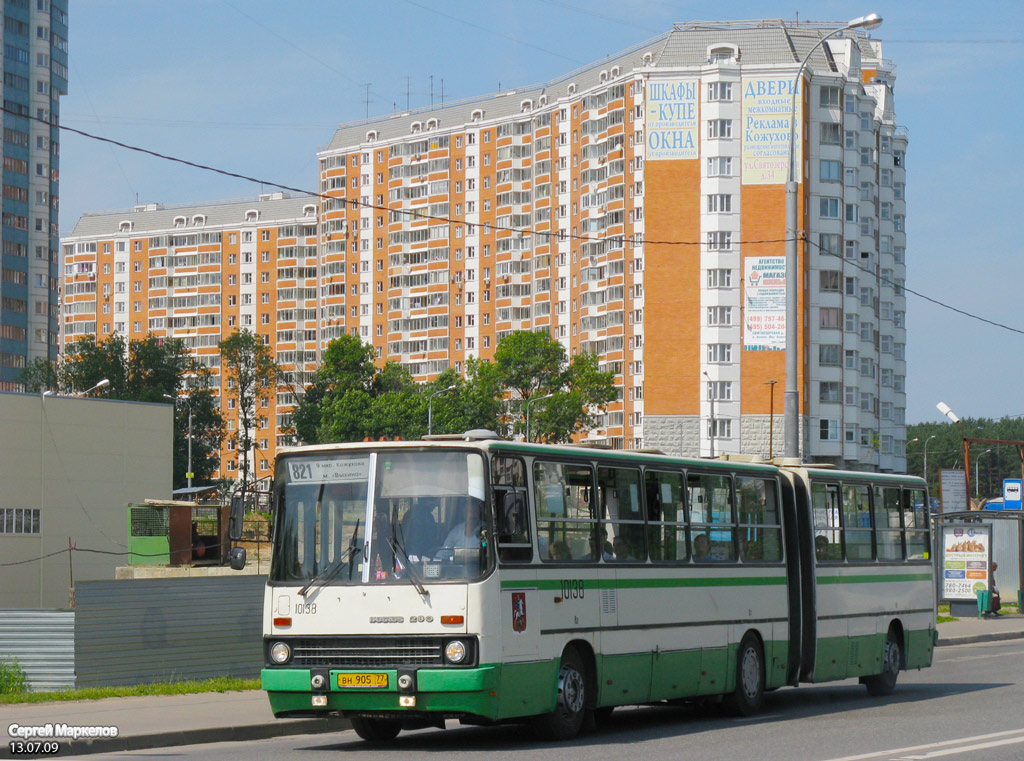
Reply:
x=367, y=99
x=408, y=91
x=431, y=89
x=442, y=91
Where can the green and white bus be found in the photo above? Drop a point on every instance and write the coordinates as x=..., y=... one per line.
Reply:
x=494, y=581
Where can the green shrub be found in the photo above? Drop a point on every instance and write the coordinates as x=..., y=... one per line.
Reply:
x=12, y=677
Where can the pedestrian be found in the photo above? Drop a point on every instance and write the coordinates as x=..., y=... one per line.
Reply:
x=996, y=605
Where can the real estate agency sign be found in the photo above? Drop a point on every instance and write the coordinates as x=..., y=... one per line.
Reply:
x=966, y=552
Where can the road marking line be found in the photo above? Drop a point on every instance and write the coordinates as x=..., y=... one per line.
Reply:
x=897, y=751
x=965, y=749
x=976, y=657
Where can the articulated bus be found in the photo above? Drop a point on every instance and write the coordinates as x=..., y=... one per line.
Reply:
x=494, y=581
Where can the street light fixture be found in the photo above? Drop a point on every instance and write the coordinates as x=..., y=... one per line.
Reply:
x=102, y=384
x=430, y=407
x=791, y=399
x=187, y=401
x=530, y=401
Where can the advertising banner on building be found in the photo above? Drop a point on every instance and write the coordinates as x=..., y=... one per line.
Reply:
x=767, y=106
x=965, y=560
x=764, y=303
x=671, y=119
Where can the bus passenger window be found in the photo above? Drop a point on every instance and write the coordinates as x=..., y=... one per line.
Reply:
x=512, y=519
x=857, y=522
x=563, y=495
x=666, y=520
x=828, y=543
x=915, y=522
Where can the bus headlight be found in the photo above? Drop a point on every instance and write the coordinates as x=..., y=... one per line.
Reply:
x=280, y=652
x=455, y=651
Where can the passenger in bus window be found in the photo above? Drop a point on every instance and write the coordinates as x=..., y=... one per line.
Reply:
x=419, y=529
x=701, y=547
x=560, y=551
x=621, y=549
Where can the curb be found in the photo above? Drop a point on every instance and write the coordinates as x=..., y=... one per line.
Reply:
x=976, y=638
x=197, y=736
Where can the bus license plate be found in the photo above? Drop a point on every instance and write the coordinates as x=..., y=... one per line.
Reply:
x=363, y=681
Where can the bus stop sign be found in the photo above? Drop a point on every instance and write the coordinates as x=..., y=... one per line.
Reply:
x=1012, y=493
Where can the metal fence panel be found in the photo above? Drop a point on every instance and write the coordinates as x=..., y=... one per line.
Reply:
x=154, y=630
x=43, y=642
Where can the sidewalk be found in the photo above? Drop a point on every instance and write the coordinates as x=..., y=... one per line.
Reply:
x=168, y=720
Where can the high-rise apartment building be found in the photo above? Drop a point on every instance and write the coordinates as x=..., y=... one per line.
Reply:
x=634, y=209
x=35, y=68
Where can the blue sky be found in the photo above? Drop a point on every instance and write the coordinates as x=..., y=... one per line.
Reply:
x=256, y=87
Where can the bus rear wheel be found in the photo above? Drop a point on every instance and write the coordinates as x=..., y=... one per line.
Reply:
x=565, y=721
x=747, y=698
x=892, y=657
x=376, y=730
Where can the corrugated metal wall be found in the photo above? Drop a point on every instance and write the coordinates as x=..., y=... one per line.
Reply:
x=152, y=630
x=43, y=642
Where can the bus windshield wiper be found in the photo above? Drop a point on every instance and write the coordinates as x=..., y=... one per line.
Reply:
x=331, y=572
x=398, y=548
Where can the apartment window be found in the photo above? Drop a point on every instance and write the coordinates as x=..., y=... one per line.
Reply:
x=852, y=323
x=828, y=430
x=719, y=353
x=719, y=241
x=828, y=280
x=719, y=128
x=829, y=170
x=899, y=222
x=829, y=243
x=828, y=355
x=719, y=202
x=719, y=390
x=850, y=359
x=828, y=208
x=828, y=391
x=852, y=213
x=719, y=278
x=829, y=97
x=829, y=317
x=866, y=156
x=831, y=133
x=720, y=166
x=866, y=120
x=720, y=91
x=719, y=316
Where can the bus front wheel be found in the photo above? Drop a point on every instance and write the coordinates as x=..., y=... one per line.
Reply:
x=565, y=721
x=376, y=730
x=747, y=698
x=885, y=683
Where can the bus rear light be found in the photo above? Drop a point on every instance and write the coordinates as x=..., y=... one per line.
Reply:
x=453, y=619
x=282, y=621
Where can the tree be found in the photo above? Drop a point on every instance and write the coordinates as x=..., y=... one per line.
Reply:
x=88, y=361
x=39, y=375
x=251, y=374
x=148, y=370
x=532, y=364
x=347, y=365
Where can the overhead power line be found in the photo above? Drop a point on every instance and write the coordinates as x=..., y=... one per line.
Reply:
x=559, y=235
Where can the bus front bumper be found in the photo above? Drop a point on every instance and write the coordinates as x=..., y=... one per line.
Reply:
x=449, y=691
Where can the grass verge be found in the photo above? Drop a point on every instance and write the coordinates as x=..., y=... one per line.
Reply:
x=224, y=684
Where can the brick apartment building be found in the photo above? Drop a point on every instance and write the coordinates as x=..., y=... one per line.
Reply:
x=633, y=209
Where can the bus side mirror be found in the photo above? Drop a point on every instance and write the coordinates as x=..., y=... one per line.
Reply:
x=512, y=515
x=237, y=560
x=235, y=517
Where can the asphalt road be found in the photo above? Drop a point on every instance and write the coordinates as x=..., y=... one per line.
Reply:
x=965, y=707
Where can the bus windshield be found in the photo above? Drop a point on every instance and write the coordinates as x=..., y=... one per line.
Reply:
x=387, y=517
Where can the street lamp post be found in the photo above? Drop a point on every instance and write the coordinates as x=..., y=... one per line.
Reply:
x=945, y=410
x=977, y=461
x=711, y=428
x=791, y=399
x=188, y=402
x=771, y=419
x=926, y=455
x=430, y=407
x=530, y=401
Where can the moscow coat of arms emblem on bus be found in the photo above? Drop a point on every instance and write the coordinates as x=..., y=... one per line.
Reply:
x=519, y=611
